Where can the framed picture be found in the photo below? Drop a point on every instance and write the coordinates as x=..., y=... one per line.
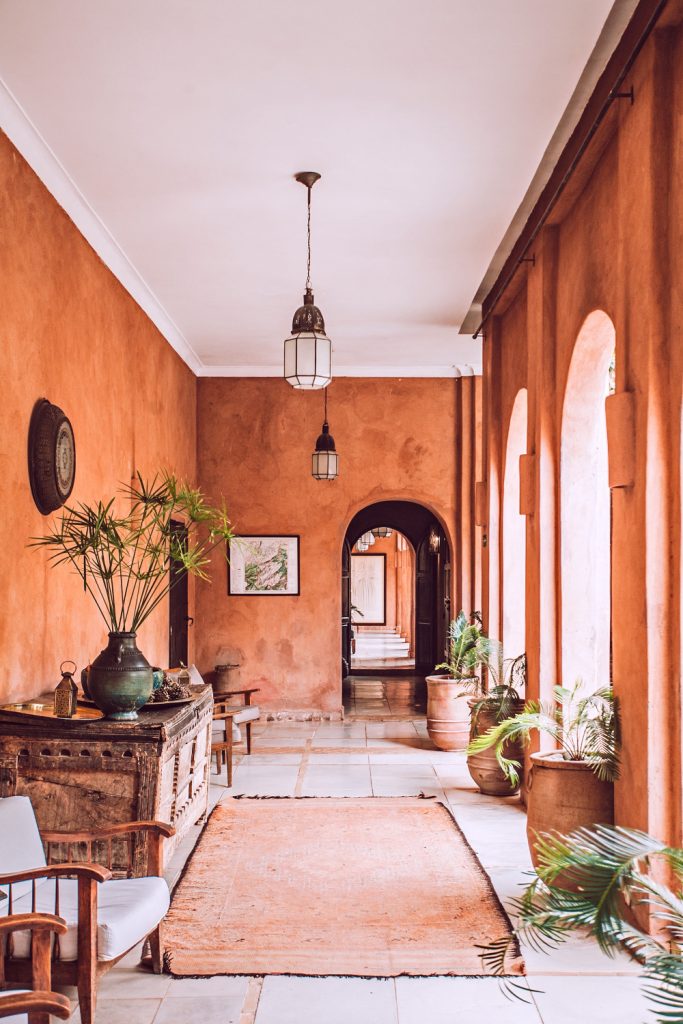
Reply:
x=368, y=589
x=264, y=566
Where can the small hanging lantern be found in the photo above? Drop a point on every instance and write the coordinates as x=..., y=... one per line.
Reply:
x=434, y=541
x=368, y=539
x=381, y=531
x=361, y=546
x=325, y=461
x=308, y=351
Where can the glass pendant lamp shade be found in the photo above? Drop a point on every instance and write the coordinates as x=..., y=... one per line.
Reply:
x=368, y=539
x=325, y=459
x=308, y=350
x=381, y=531
x=361, y=546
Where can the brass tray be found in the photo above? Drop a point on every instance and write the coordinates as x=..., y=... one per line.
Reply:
x=37, y=709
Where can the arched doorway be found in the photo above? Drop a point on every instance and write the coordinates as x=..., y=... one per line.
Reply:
x=432, y=575
x=585, y=508
x=514, y=534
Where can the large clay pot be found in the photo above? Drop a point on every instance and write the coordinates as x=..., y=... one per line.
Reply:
x=120, y=679
x=563, y=796
x=448, y=713
x=484, y=767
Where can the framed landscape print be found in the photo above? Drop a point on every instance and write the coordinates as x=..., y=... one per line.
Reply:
x=264, y=566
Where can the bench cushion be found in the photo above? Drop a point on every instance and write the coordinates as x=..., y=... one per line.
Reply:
x=128, y=909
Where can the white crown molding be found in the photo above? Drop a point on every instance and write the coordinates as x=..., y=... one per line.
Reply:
x=21, y=131
x=346, y=371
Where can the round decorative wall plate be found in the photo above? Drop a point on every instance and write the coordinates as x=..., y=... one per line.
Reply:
x=51, y=456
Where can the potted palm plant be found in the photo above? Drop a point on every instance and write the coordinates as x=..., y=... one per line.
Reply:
x=448, y=712
x=609, y=869
x=501, y=701
x=572, y=786
x=123, y=551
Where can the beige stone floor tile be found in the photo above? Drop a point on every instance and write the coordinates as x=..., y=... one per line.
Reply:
x=133, y=983
x=327, y=1001
x=461, y=1001
x=121, y=1011
x=599, y=1000
x=219, y=1009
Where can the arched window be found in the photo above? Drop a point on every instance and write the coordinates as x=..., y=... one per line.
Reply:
x=514, y=534
x=585, y=518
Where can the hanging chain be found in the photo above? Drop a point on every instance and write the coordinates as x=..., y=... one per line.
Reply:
x=308, y=264
x=325, y=418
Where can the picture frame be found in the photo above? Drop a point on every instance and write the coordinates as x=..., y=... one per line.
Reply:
x=369, y=588
x=264, y=565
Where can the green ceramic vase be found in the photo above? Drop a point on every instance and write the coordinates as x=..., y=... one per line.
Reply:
x=120, y=679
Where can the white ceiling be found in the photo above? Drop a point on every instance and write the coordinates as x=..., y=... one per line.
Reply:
x=170, y=131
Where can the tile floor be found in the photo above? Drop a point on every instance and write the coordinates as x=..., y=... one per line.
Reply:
x=380, y=758
x=384, y=696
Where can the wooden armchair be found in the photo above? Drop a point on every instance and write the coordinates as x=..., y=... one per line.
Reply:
x=105, y=916
x=36, y=1006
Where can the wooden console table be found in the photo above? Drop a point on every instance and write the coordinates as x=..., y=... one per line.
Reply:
x=91, y=774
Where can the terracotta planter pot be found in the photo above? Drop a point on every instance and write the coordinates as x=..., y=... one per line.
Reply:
x=448, y=713
x=564, y=795
x=484, y=767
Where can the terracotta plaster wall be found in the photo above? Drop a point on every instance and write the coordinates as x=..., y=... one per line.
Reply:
x=69, y=332
x=614, y=246
x=396, y=440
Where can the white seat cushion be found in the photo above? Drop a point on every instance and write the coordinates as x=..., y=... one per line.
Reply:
x=21, y=847
x=249, y=714
x=128, y=909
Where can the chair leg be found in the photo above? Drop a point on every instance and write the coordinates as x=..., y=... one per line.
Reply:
x=87, y=994
x=248, y=737
x=229, y=757
x=155, y=949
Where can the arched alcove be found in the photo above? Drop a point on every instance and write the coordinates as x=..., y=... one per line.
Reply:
x=514, y=534
x=585, y=507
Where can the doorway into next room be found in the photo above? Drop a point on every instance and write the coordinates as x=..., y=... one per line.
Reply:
x=382, y=601
x=396, y=585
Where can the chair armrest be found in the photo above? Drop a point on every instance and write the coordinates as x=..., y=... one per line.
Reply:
x=219, y=716
x=110, y=832
x=32, y=922
x=91, y=871
x=34, y=1002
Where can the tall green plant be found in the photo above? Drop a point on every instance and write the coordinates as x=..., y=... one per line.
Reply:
x=123, y=549
x=469, y=649
x=586, y=728
x=608, y=868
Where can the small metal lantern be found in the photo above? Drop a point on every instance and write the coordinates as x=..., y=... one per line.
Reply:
x=66, y=692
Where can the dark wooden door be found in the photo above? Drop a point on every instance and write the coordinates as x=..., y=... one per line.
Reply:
x=179, y=619
x=346, y=609
x=425, y=607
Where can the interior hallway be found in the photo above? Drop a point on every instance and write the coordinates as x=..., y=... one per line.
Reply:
x=379, y=758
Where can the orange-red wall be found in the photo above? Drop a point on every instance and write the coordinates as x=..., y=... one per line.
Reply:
x=72, y=334
x=396, y=440
x=614, y=246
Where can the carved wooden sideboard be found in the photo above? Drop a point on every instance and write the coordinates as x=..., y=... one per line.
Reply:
x=90, y=774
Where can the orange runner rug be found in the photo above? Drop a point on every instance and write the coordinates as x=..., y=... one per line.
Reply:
x=365, y=887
